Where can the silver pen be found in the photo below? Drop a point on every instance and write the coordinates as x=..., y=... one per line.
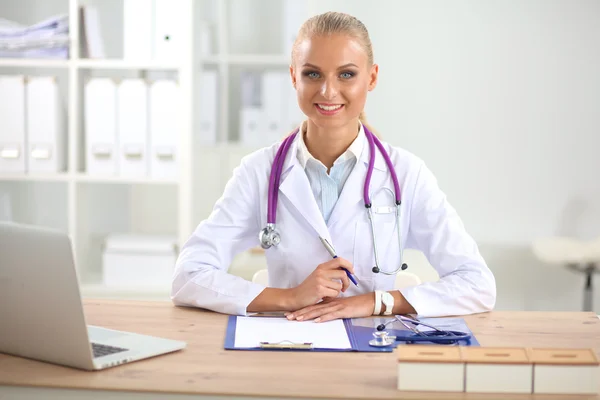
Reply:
x=331, y=251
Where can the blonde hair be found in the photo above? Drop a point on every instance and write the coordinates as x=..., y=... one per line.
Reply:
x=331, y=23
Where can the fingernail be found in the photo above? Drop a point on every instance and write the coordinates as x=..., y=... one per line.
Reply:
x=300, y=318
x=286, y=314
x=318, y=320
x=290, y=316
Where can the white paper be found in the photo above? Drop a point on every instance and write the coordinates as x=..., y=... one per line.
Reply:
x=250, y=331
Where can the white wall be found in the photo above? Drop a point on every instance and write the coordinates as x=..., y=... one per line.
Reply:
x=501, y=99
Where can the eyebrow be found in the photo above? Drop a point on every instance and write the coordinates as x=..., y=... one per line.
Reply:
x=342, y=67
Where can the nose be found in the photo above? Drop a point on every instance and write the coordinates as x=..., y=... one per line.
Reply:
x=329, y=90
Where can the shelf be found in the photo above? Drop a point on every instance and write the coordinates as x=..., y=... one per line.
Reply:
x=124, y=180
x=35, y=63
x=125, y=65
x=62, y=177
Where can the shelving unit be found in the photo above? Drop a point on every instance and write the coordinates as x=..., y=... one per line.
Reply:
x=193, y=194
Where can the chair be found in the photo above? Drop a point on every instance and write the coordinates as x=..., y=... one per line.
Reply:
x=261, y=277
x=577, y=255
x=406, y=279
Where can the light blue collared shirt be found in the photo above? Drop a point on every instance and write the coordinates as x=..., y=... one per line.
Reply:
x=327, y=187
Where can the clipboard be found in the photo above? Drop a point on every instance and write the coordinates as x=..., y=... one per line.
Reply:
x=359, y=331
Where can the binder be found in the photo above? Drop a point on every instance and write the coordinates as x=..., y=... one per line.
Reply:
x=164, y=128
x=100, y=97
x=132, y=128
x=274, y=105
x=138, y=30
x=294, y=14
x=168, y=29
x=207, y=113
x=251, y=123
x=46, y=136
x=12, y=115
x=360, y=333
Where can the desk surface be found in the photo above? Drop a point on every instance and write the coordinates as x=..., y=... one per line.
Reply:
x=205, y=368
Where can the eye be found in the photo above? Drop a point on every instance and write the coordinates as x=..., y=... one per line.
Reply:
x=347, y=75
x=311, y=74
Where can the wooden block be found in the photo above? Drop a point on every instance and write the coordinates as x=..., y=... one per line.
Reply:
x=430, y=368
x=497, y=370
x=565, y=371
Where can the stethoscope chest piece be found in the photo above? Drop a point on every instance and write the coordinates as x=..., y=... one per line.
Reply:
x=382, y=339
x=268, y=237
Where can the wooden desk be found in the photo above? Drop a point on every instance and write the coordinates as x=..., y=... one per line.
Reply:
x=205, y=369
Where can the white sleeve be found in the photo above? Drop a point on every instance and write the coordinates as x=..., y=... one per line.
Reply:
x=466, y=283
x=201, y=278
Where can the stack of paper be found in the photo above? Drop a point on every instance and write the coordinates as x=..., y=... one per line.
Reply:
x=46, y=39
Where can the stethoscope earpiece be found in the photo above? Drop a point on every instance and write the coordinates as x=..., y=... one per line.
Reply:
x=375, y=270
x=404, y=266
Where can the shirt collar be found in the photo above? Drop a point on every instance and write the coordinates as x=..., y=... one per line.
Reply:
x=355, y=149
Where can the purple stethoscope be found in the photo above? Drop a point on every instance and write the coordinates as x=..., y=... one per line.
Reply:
x=269, y=236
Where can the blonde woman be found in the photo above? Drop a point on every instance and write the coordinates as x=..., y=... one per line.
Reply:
x=333, y=207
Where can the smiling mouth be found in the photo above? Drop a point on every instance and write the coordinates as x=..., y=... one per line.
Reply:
x=329, y=107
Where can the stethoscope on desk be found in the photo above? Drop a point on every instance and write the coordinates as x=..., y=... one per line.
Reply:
x=269, y=236
x=436, y=336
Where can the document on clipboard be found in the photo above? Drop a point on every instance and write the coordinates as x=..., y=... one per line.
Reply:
x=267, y=332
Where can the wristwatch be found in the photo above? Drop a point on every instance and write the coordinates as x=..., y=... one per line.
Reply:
x=388, y=301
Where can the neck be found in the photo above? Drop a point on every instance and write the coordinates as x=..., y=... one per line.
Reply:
x=326, y=145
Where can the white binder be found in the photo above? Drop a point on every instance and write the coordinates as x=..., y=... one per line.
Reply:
x=168, y=29
x=46, y=136
x=12, y=117
x=100, y=125
x=274, y=106
x=138, y=16
x=294, y=14
x=132, y=127
x=207, y=112
x=164, y=128
x=251, y=126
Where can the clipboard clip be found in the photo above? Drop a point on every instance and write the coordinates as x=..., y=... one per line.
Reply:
x=286, y=344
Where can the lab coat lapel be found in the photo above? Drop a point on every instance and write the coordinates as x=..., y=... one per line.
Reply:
x=294, y=185
x=353, y=190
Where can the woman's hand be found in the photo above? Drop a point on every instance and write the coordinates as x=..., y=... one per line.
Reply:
x=327, y=280
x=348, y=307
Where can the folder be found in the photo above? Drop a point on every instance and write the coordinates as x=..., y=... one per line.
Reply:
x=251, y=124
x=138, y=16
x=164, y=127
x=358, y=332
x=295, y=12
x=100, y=102
x=132, y=128
x=207, y=112
x=274, y=105
x=12, y=115
x=46, y=128
x=168, y=29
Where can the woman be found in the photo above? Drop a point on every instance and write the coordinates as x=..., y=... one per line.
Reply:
x=320, y=195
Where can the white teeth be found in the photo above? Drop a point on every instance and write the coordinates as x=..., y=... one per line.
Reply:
x=329, y=108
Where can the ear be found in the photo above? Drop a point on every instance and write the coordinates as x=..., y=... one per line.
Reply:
x=293, y=76
x=373, y=76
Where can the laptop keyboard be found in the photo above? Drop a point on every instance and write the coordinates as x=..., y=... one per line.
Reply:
x=101, y=350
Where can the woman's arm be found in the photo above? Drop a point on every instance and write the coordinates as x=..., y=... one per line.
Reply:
x=201, y=278
x=466, y=283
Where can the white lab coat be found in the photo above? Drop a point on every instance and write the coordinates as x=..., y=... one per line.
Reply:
x=429, y=223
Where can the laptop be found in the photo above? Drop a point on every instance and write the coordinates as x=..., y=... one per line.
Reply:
x=41, y=312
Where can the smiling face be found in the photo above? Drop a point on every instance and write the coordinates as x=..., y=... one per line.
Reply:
x=332, y=75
